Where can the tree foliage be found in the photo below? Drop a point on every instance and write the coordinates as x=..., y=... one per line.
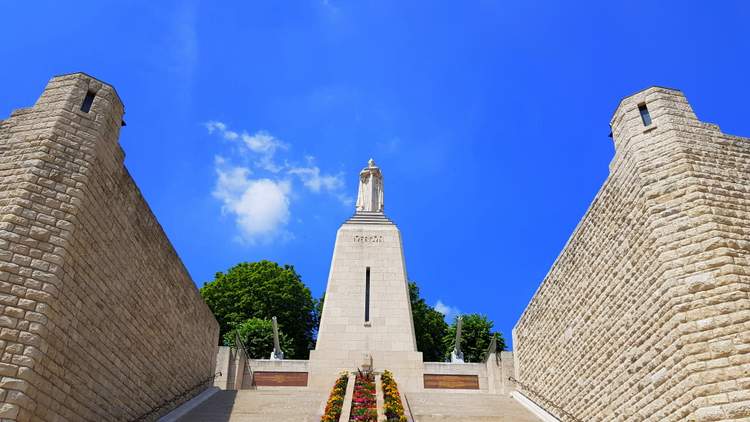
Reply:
x=262, y=290
x=429, y=327
x=317, y=315
x=476, y=334
x=257, y=335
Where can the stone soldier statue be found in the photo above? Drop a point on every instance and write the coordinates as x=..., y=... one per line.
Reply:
x=277, y=354
x=370, y=194
x=457, y=356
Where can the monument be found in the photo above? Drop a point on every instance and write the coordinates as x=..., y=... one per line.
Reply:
x=642, y=317
x=366, y=326
x=367, y=314
x=66, y=289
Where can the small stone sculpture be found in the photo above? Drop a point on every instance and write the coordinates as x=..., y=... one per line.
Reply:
x=457, y=356
x=277, y=354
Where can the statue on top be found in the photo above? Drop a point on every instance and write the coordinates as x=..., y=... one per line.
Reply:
x=370, y=194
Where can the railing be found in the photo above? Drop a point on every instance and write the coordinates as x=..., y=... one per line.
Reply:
x=408, y=406
x=545, y=400
x=240, y=345
x=241, y=348
x=175, y=399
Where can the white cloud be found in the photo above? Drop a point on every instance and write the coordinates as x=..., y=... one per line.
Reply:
x=176, y=50
x=313, y=180
x=213, y=126
x=260, y=206
x=449, y=312
x=345, y=199
x=262, y=144
x=259, y=192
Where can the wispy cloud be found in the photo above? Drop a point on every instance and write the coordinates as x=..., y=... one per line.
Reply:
x=259, y=191
x=261, y=143
x=449, y=312
x=316, y=181
x=178, y=49
x=329, y=6
x=389, y=146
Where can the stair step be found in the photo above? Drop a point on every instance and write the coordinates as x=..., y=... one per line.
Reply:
x=368, y=218
x=258, y=405
x=443, y=406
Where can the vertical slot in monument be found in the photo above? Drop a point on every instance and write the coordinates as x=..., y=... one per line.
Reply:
x=367, y=294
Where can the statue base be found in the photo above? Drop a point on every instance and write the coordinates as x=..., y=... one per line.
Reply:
x=277, y=356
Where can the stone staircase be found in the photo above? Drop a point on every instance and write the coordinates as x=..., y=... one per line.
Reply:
x=467, y=407
x=259, y=406
x=303, y=405
x=365, y=217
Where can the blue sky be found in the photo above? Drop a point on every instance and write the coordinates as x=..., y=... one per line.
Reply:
x=248, y=122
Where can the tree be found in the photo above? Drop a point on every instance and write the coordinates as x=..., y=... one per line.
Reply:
x=476, y=333
x=429, y=327
x=257, y=335
x=317, y=315
x=263, y=290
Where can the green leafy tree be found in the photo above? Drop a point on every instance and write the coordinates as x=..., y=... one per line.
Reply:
x=262, y=290
x=317, y=315
x=476, y=333
x=429, y=327
x=257, y=335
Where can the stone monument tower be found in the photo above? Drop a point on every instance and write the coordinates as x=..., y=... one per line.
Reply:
x=367, y=314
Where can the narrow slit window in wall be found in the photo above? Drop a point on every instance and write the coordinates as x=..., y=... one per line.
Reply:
x=367, y=294
x=645, y=116
x=86, y=106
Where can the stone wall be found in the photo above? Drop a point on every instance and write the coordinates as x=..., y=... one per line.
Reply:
x=100, y=319
x=493, y=374
x=645, y=314
x=238, y=373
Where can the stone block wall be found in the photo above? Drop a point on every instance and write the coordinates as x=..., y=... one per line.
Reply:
x=645, y=314
x=506, y=370
x=99, y=318
x=238, y=373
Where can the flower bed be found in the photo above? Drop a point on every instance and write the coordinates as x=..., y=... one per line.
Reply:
x=336, y=400
x=364, y=404
x=392, y=407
